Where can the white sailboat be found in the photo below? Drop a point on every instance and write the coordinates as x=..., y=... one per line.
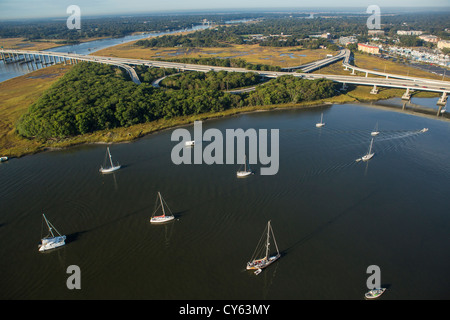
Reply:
x=369, y=154
x=374, y=293
x=263, y=249
x=375, y=132
x=246, y=171
x=321, y=123
x=112, y=168
x=51, y=241
x=166, y=216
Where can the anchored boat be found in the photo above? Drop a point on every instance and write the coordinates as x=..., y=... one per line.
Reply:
x=247, y=171
x=51, y=241
x=374, y=293
x=112, y=167
x=165, y=216
x=375, y=132
x=321, y=123
x=261, y=257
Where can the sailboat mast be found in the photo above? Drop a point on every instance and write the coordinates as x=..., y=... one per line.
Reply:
x=48, y=225
x=110, y=159
x=370, y=148
x=267, y=241
x=162, y=205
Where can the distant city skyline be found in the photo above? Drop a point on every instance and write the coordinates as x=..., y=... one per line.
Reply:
x=23, y=9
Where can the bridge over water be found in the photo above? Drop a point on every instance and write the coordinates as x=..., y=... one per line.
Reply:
x=387, y=80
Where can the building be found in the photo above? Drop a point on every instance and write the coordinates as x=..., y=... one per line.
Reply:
x=375, y=32
x=409, y=33
x=429, y=38
x=369, y=49
x=443, y=44
x=347, y=40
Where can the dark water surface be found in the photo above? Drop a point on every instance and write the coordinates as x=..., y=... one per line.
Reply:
x=332, y=216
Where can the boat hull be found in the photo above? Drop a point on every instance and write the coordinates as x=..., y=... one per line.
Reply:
x=109, y=170
x=52, y=243
x=375, y=293
x=375, y=133
x=367, y=157
x=261, y=264
x=318, y=125
x=3, y=159
x=243, y=173
x=161, y=219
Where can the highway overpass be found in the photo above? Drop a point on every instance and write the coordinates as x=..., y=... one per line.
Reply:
x=387, y=80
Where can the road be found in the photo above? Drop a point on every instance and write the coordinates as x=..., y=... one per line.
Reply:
x=388, y=80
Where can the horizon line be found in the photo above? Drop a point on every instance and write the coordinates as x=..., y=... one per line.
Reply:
x=328, y=9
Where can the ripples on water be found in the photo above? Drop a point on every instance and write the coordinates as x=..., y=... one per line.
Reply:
x=324, y=207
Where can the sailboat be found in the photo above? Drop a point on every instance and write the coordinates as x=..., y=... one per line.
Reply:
x=263, y=248
x=164, y=217
x=374, y=293
x=246, y=171
x=369, y=154
x=375, y=132
x=51, y=242
x=113, y=167
x=321, y=123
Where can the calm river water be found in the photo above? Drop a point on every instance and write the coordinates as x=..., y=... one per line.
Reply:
x=12, y=70
x=331, y=215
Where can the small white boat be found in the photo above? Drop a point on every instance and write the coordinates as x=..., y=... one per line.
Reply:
x=189, y=143
x=164, y=217
x=112, y=167
x=3, y=159
x=321, y=123
x=262, y=248
x=374, y=293
x=246, y=172
x=51, y=242
x=424, y=130
x=369, y=154
x=375, y=132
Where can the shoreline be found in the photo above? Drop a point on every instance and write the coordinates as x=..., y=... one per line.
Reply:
x=124, y=135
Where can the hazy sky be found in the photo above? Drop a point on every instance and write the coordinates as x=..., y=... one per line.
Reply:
x=11, y=9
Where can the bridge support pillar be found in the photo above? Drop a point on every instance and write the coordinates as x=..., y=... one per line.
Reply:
x=374, y=90
x=353, y=71
x=406, y=95
x=344, y=87
x=443, y=99
x=367, y=74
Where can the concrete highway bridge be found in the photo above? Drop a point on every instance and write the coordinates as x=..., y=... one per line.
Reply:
x=387, y=80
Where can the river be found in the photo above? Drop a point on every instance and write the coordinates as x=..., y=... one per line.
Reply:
x=9, y=71
x=332, y=216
